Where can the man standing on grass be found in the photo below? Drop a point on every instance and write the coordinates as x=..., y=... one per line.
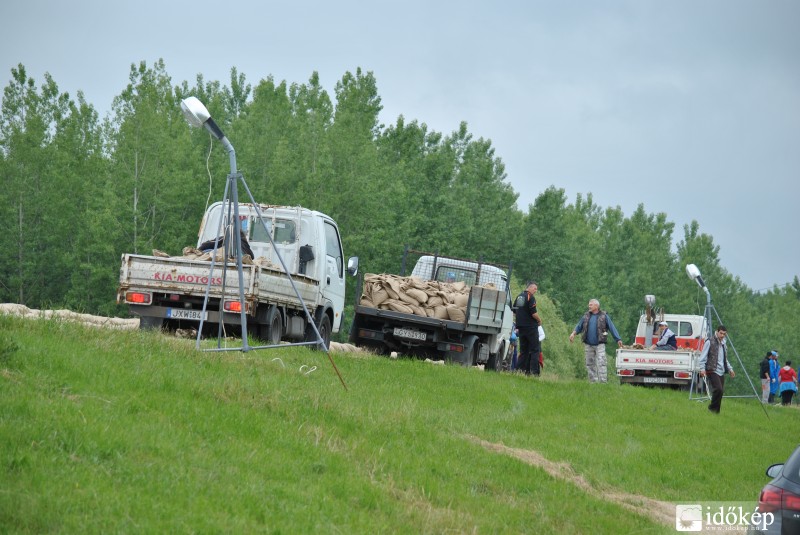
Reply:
x=774, y=368
x=713, y=365
x=765, y=378
x=528, y=322
x=595, y=326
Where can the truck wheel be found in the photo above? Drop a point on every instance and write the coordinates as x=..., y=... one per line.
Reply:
x=150, y=322
x=324, y=328
x=496, y=361
x=469, y=356
x=272, y=329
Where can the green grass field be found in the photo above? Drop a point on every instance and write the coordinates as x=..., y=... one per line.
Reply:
x=130, y=432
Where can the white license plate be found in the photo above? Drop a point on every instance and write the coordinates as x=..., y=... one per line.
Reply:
x=654, y=379
x=186, y=314
x=408, y=333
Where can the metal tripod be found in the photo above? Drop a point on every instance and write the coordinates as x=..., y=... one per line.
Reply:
x=197, y=115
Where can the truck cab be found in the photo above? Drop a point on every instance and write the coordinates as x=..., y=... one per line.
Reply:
x=307, y=241
x=690, y=330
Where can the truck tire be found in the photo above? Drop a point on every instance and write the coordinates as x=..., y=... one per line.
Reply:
x=272, y=329
x=497, y=361
x=324, y=329
x=469, y=356
x=150, y=323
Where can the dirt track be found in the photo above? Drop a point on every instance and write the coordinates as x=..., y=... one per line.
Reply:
x=661, y=512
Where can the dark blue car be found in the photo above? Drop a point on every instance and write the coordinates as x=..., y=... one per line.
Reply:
x=781, y=497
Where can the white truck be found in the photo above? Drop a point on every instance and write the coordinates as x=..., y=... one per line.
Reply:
x=676, y=369
x=170, y=291
x=479, y=334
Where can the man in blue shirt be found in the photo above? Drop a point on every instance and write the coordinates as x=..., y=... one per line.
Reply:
x=595, y=326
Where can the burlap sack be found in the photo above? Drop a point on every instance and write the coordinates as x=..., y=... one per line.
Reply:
x=418, y=295
x=364, y=302
x=460, y=300
x=405, y=298
x=456, y=314
x=399, y=306
x=379, y=295
x=434, y=301
x=440, y=312
x=391, y=291
x=416, y=282
x=418, y=310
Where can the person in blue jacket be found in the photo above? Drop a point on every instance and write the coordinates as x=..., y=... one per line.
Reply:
x=774, y=384
x=596, y=325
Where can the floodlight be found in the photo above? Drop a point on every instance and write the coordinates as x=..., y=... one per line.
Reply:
x=694, y=274
x=650, y=300
x=197, y=115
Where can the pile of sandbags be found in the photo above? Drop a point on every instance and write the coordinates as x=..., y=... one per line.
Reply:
x=86, y=319
x=412, y=295
x=193, y=253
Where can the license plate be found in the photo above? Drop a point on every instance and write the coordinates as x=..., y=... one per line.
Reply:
x=654, y=379
x=186, y=314
x=408, y=333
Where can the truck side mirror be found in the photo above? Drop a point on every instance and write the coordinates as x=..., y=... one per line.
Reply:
x=352, y=265
x=306, y=255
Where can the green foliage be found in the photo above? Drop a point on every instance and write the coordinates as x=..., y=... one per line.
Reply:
x=106, y=432
x=77, y=193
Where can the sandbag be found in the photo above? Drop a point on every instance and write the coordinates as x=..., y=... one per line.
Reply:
x=456, y=314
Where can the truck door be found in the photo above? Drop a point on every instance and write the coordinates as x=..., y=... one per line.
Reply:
x=334, y=272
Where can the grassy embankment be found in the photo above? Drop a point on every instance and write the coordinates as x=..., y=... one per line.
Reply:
x=105, y=432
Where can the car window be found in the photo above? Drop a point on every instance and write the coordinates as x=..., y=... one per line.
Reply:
x=685, y=329
x=791, y=470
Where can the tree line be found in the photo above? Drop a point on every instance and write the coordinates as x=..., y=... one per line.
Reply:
x=79, y=190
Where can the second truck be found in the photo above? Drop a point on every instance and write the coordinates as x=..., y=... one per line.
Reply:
x=451, y=309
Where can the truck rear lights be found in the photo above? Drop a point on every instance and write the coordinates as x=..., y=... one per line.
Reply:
x=455, y=347
x=626, y=373
x=233, y=306
x=365, y=333
x=138, y=298
x=174, y=297
x=683, y=375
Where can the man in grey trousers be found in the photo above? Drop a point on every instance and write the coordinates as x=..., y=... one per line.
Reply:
x=595, y=325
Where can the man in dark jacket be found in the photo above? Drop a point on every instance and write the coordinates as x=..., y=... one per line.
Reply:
x=596, y=325
x=713, y=365
x=528, y=331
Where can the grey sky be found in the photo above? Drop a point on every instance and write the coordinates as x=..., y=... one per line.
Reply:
x=691, y=107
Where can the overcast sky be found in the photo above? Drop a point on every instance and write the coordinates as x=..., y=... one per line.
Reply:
x=691, y=107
